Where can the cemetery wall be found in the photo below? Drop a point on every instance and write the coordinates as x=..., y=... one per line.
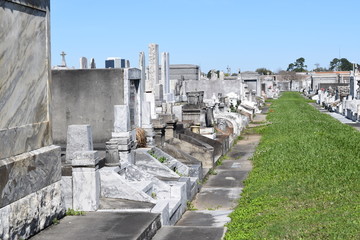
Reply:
x=86, y=96
x=318, y=80
x=188, y=71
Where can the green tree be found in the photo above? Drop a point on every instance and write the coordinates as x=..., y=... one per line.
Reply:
x=297, y=66
x=263, y=71
x=341, y=64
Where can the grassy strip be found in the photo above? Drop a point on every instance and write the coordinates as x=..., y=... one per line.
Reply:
x=305, y=183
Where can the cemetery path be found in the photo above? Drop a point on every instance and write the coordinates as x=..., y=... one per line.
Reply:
x=208, y=213
x=337, y=116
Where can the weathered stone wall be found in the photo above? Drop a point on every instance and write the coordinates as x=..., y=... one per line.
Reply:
x=86, y=97
x=30, y=167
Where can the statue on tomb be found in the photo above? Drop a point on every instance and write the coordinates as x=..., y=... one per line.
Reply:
x=358, y=90
x=214, y=75
x=92, y=63
x=179, y=86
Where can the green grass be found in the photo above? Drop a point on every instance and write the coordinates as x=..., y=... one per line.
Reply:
x=72, y=212
x=305, y=183
x=220, y=161
x=161, y=159
x=212, y=171
x=190, y=206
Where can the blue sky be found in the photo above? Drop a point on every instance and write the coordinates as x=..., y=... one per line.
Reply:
x=241, y=34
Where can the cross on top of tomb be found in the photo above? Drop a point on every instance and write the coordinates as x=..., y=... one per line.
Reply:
x=63, y=62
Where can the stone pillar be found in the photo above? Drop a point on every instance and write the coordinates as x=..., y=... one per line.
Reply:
x=165, y=68
x=112, y=153
x=159, y=93
x=84, y=161
x=153, y=77
x=83, y=63
x=150, y=97
x=147, y=125
x=142, y=85
x=258, y=88
x=170, y=129
x=123, y=134
x=86, y=180
x=221, y=76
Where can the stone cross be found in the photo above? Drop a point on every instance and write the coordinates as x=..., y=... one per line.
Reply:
x=63, y=61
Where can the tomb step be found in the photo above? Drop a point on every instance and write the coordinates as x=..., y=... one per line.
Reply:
x=104, y=225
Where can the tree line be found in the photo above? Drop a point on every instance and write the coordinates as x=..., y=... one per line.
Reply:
x=337, y=64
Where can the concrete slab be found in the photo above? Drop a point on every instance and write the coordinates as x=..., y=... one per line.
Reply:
x=241, y=164
x=96, y=225
x=265, y=110
x=259, y=118
x=340, y=118
x=217, y=198
x=217, y=218
x=187, y=233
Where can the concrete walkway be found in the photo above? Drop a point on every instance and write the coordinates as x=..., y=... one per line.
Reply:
x=103, y=225
x=218, y=196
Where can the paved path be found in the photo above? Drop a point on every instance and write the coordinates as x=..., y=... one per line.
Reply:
x=218, y=196
x=103, y=226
